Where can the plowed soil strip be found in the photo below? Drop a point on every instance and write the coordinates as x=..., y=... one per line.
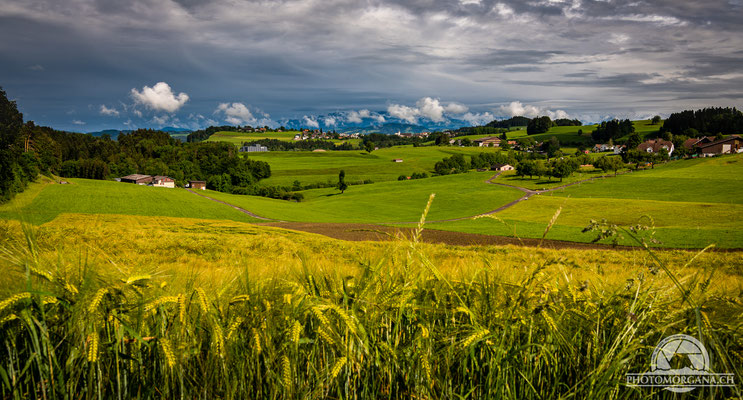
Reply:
x=371, y=232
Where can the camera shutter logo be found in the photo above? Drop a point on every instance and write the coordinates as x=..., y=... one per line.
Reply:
x=680, y=363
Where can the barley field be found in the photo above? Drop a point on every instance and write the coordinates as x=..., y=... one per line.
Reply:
x=113, y=306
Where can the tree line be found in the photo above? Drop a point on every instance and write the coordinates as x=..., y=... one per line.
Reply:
x=27, y=150
x=706, y=121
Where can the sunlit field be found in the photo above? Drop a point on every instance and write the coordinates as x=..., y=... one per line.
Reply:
x=114, y=306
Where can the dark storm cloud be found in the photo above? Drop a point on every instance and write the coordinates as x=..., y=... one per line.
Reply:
x=294, y=57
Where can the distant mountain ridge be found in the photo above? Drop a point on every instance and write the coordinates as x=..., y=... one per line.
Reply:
x=371, y=123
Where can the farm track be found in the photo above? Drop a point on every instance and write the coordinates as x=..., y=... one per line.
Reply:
x=383, y=233
x=242, y=210
x=527, y=194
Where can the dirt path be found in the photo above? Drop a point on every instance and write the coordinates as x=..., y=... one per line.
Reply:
x=242, y=210
x=527, y=193
x=372, y=232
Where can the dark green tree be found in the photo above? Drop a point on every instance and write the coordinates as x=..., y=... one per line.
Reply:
x=342, y=186
x=539, y=125
x=369, y=147
x=564, y=167
x=11, y=147
x=551, y=147
x=633, y=141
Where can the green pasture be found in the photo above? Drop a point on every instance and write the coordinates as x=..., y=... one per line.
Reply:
x=690, y=203
x=457, y=196
x=711, y=180
x=322, y=167
x=545, y=182
x=238, y=138
x=44, y=201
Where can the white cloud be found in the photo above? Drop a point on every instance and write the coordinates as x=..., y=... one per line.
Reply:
x=36, y=67
x=476, y=119
x=236, y=113
x=456, y=108
x=516, y=108
x=379, y=118
x=160, y=120
x=431, y=108
x=503, y=10
x=661, y=20
x=113, y=112
x=78, y=122
x=330, y=121
x=138, y=113
x=311, y=122
x=427, y=107
x=159, y=97
x=357, y=116
x=404, y=113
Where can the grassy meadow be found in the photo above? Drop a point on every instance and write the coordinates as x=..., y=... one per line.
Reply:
x=115, y=306
x=691, y=203
x=385, y=202
x=323, y=167
x=46, y=200
x=238, y=138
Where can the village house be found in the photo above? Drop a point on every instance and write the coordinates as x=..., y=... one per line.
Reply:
x=139, y=179
x=603, y=147
x=731, y=145
x=501, y=167
x=253, y=148
x=619, y=149
x=692, y=143
x=655, y=145
x=163, y=181
x=197, y=185
x=488, y=142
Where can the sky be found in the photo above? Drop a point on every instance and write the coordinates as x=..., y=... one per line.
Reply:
x=85, y=65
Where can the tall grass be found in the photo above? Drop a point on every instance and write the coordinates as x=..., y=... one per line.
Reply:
x=398, y=328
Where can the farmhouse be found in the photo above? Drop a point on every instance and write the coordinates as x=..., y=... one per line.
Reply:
x=733, y=144
x=488, y=141
x=501, y=167
x=603, y=147
x=696, y=142
x=137, y=178
x=397, y=160
x=655, y=146
x=197, y=185
x=163, y=181
x=253, y=148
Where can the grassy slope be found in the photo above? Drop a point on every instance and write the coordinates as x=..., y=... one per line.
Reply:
x=238, y=138
x=456, y=196
x=107, y=197
x=309, y=167
x=692, y=203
